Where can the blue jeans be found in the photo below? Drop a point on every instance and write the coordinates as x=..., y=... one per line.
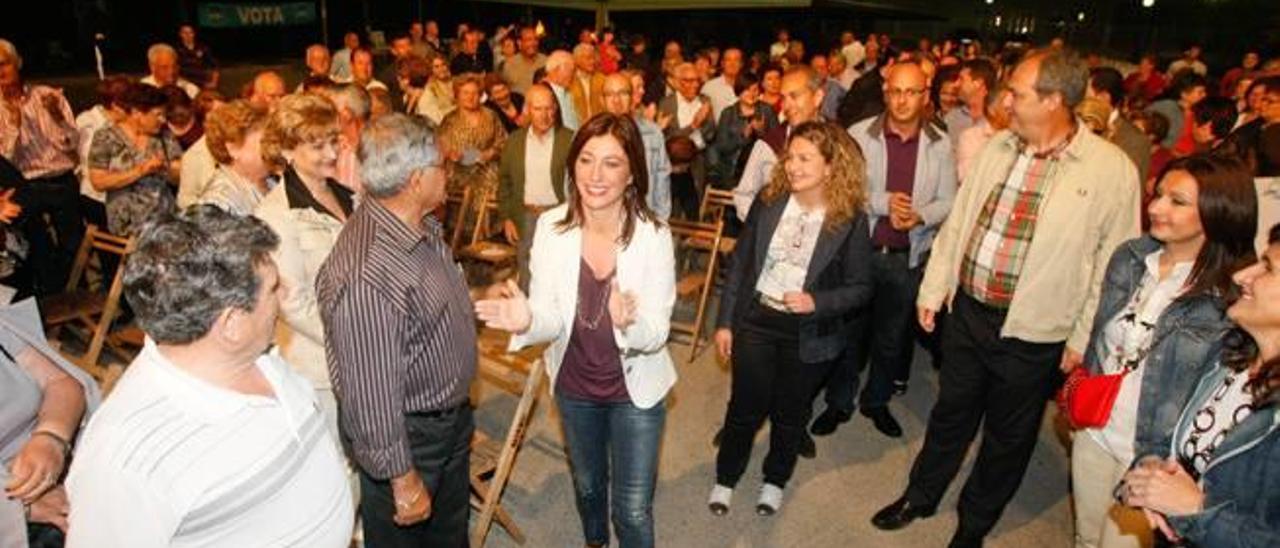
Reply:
x=618, y=442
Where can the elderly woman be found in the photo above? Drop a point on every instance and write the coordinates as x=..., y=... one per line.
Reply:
x=1212, y=480
x=602, y=288
x=135, y=162
x=739, y=126
x=42, y=399
x=234, y=132
x=307, y=210
x=799, y=268
x=437, y=99
x=471, y=139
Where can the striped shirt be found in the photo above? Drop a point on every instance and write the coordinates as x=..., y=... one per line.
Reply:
x=998, y=245
x=170, y=460
x=39, y=134
x=399, y=332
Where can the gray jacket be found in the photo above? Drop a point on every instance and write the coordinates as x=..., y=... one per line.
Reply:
x=934, y=187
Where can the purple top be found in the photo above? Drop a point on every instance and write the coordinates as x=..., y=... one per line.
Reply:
x=900, y=176
x=592, y=366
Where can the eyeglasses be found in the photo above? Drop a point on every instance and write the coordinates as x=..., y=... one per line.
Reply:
x=910, y=93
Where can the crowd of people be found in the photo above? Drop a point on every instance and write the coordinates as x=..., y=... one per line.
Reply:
x=1023, y=214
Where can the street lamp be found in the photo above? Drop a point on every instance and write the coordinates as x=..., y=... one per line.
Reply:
x=1148, y=3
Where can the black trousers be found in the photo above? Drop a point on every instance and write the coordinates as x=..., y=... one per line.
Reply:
x=684, y=195
x=882, y=334
x=769, y=382
x=441, y=449
x=1002, y=383
x=51, y=223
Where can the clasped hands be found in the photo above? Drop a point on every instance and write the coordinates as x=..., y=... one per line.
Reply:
x=1161, y=487
x=508, y=309
x=901, y=215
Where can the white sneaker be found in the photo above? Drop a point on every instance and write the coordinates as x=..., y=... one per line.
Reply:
x=719, y=500
x=770, y=500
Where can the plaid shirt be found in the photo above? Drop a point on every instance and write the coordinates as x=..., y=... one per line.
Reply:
x=998, y=245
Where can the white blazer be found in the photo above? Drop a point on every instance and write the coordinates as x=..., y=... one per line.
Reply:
x=645, y=267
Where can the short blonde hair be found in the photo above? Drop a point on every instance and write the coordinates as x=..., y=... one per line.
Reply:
x=845, y=192
x=297, y=119
x=230, y=123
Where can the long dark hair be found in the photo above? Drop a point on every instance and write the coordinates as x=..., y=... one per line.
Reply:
x=1240, y=351
x=1228, y=208
x=634, y=206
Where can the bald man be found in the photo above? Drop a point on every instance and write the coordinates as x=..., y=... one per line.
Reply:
x=560, y=75
x=618, y=95
x=803, y=90
x=911, y=177
x=266, y=89
x=531, y=172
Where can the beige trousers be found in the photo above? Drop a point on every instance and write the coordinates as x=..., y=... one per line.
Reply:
x=1101, y=522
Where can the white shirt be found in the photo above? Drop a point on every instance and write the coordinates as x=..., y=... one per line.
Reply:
x=538, y=187
x=686, y=111
x=720, y=91
x=89, y=122
x=197, y=169
x=1129, y=336
x=786, y=263
x=190, y=89
x=754, y=176
x=854, y=53
x=171, y=460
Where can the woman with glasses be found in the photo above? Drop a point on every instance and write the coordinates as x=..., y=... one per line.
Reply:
x=135, y=161
x=800, y=266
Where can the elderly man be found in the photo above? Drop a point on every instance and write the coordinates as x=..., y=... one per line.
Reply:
x=39, y=142
x=341, y=70
x=518, y=70
x=207, y=439
x=531, y=173
x=319, y=62
x=719, y=90
x=618, y=95
x=560, y=75
x=687, y=114
x=162, y=60
x=833, y=91
x=802, y=94
x=401, y=341
x=977, y=82
x=354, y=108
x=198, y=164
x=1019, y=262
x=362, y=70
x=911, y=177
x=195, y=59
x=587, y=82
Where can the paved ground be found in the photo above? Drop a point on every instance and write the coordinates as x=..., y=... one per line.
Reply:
x=828, y=504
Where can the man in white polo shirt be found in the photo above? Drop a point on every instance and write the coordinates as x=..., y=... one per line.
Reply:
x=206, y=440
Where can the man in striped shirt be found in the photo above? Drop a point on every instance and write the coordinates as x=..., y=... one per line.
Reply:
x=400, y=335
x=206, y=440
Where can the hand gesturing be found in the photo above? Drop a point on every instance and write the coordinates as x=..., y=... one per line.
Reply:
x=509, y=313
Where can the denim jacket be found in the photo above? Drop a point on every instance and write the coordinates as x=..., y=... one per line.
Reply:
x=1241, y=483
x=1188, y=331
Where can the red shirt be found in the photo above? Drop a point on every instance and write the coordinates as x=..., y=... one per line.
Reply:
x=1149, y=89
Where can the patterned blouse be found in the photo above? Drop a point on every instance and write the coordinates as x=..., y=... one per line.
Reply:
x=130, y=206
x=473, y=135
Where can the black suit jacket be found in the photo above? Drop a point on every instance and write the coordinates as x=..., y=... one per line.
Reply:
x=839, y=278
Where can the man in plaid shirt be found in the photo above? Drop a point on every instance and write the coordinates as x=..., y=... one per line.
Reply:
x=1019, y=262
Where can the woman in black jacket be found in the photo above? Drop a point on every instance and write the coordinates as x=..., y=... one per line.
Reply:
x=800, y=267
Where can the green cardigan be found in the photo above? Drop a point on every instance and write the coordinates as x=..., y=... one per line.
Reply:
x=511, y=171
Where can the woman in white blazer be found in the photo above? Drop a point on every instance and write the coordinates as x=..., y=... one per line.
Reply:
x=306, y=209
x=601, y=290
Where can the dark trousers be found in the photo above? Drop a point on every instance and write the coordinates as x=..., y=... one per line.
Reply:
x=882, y=334
x=1002, y=383
x=613, y=452
x=51, y=223
x=684, y=194
x=769, y=381
x=441, y=448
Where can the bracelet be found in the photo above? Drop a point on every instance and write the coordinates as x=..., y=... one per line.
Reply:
x=66, y=445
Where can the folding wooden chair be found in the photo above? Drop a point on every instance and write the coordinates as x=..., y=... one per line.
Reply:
x=491, y=462
x=88, y=307
x=456, y=206
x=693, y=238
x=501, y=257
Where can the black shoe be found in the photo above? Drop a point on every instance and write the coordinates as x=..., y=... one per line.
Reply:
x=884, y=421
x=899, y=514
x=899, y=388
x=828, y=421
x=807, y=448
x=965, y=540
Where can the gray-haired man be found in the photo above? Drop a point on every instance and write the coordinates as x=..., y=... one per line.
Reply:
x=400, y=335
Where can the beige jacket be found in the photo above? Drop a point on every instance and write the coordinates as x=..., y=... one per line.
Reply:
x=1091, y=207
x=306, y=238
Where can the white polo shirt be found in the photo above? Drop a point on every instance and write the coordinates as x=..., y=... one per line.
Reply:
x=170, y=460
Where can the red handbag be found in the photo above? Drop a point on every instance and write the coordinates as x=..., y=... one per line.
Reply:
x=1086, y=399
